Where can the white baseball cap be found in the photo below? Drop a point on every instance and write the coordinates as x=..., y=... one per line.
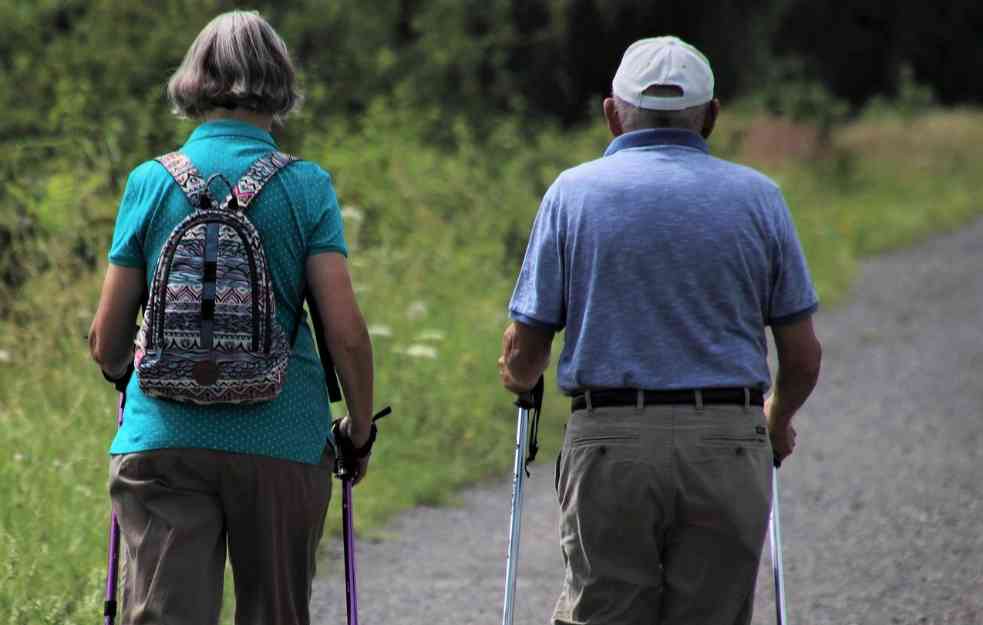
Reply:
x=666, y=61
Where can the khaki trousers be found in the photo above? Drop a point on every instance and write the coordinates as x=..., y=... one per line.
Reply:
x=664, y=511
x=180, y=510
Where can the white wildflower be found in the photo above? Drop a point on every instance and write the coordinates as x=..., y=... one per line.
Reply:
x=430, y=335
x=380, y=330
x=18, y=457
x=417, y=310
x=421, y=351
x=416, y=351
x=353, y=213
x=5, y=356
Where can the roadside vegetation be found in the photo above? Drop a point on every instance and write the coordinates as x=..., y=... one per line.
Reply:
x=437, y=237
x=439, y=163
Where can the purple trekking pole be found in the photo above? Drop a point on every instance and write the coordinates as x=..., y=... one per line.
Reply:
x=112, y=567
x=347, y=477
x=348, y=535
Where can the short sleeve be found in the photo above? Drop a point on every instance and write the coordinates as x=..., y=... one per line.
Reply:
x=126, y=249
x=793, y=295
x=327, y=232
x=538, y=299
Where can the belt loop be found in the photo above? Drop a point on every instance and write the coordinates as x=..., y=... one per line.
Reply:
x=590, y=407
x=640, y=402
x=699, y=399
x=747, y=399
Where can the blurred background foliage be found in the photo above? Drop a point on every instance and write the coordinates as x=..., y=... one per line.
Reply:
x=84, y=80
x=442, y=122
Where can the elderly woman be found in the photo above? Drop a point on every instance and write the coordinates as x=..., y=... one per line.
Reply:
x=190, y=481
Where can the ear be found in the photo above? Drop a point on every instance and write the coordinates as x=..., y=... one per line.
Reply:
x=612, y=117
x=710, y=119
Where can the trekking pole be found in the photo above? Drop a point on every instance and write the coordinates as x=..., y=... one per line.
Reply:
x=348, y=534
x=526, y=446
x=775, y=532
x=112, y=567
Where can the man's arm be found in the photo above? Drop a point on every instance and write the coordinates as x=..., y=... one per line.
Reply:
x=525, y=356
x=799, y=358
x=113, y=328
x=347, y=337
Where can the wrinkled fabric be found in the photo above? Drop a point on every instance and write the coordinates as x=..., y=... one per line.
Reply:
x=663, y=514
x=180, y=510
x=663, y=265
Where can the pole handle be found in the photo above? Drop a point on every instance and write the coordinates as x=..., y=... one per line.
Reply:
x=532, y=402
x=533, y=398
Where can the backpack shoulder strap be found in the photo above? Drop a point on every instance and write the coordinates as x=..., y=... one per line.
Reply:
x=187, y=176
x=258, y=174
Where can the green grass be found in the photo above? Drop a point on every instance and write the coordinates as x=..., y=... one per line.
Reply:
x=884, y=183
x=437, y=236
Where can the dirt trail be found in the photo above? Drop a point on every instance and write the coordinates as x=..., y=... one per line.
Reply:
x=882, y=504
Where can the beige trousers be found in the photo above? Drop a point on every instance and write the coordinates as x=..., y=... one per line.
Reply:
x=181, y=510
x=664, y=511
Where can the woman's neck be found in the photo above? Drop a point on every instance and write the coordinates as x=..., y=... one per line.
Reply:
x=262, y=120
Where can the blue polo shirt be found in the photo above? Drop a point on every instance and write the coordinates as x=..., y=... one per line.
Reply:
x=297, y=215
x=664, y=265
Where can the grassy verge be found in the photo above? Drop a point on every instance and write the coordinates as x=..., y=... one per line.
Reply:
x=437, y=237
x=882, y=183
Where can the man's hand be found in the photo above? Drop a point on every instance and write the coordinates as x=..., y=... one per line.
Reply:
x=508, y=347
x=357, y=431
x=780, y=430
x=525, y=355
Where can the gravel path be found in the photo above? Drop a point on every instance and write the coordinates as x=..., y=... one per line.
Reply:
x=882, y=505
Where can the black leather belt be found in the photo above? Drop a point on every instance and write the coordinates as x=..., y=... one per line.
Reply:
x=629, y=397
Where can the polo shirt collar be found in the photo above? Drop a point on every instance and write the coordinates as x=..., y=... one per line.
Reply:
x=231, y=128
x=653, y=137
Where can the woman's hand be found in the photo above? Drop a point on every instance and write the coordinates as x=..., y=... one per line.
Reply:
x=357, y=432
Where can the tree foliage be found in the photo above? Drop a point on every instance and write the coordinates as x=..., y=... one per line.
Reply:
x=83, y=95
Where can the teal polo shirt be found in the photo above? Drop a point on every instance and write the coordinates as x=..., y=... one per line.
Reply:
x=297, y=215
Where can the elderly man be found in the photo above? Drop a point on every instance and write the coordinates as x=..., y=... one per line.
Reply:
x=664, y=265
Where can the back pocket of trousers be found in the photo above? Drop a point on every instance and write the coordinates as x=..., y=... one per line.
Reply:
x=597, y=438
x=717, y=445
x=730, y=441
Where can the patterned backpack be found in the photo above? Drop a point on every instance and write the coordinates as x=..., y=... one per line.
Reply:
x=209, y=332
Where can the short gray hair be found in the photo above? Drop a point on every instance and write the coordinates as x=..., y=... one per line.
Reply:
x=635, y=118
x=236, y=61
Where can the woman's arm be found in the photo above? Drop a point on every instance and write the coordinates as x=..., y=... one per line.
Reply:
x=113, y=329
x=347, y=337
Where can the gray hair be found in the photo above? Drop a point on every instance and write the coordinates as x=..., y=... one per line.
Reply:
x=635, y=118
x=236, y=61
